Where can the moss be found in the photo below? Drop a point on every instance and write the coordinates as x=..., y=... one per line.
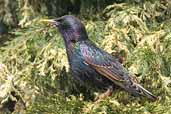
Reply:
x=35, y=60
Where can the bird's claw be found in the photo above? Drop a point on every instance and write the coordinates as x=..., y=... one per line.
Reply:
x=102, y=96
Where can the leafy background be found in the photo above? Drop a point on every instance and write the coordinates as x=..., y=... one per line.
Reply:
x=34, y=71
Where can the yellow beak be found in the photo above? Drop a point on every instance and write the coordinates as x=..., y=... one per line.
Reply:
x=51, y=21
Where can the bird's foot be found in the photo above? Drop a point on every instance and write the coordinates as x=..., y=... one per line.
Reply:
x=102, y=96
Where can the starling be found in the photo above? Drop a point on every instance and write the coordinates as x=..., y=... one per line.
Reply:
x=90, y=63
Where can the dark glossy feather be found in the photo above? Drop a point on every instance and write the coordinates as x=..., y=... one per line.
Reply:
x=90, y=63
x=108, y=66
x=103, y=62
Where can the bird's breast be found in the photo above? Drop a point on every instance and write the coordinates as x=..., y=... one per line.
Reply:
x=83, y=72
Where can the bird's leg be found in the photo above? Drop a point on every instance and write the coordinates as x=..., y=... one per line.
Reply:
x=102, y=96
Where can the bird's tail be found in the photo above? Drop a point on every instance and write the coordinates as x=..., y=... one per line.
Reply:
x=137, y=89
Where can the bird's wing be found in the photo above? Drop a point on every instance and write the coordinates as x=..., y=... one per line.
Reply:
x=102, y=62
x=109, y=67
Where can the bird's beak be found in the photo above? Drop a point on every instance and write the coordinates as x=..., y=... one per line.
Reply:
x=51, y=21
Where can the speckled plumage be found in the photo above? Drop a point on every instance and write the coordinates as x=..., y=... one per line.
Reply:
x=90, y=63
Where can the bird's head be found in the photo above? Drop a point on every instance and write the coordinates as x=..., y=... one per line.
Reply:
x=70, y=27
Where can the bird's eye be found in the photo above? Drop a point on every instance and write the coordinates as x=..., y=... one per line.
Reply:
x=73, y=40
